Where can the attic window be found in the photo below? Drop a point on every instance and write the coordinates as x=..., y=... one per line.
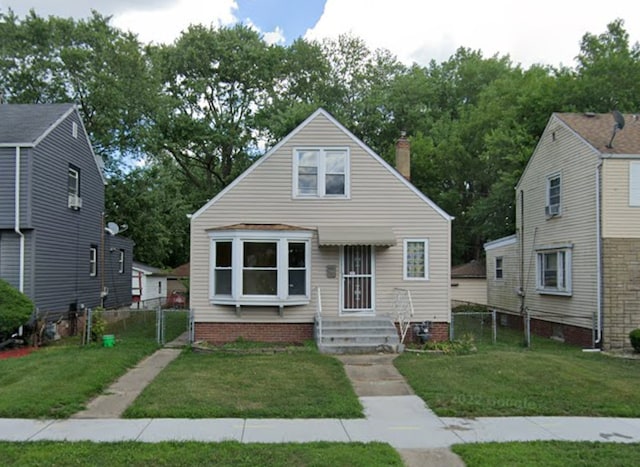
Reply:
x=321, y=173
x=554, y=183
x=74, y=129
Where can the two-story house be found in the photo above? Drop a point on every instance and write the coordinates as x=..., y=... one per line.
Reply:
x=53, y=243
x=574, y=263
x=320, y=229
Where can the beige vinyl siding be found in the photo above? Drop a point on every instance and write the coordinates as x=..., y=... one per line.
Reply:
x=561, y=151
x=502, y=293
x=377, y=198
x=469, y=290
x=619, y=220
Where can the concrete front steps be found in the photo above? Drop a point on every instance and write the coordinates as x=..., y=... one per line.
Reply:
x=352, y=335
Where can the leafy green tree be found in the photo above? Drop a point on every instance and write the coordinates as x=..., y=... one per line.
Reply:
x=15, y=308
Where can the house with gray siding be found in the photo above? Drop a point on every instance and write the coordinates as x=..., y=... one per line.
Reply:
x=321, y=237
x=53, y=244
x=573, y=264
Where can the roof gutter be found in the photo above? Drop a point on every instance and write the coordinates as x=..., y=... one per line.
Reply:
x=16, y=227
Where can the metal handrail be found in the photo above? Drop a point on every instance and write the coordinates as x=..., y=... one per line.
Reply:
x=403, y=308
x=319, y=316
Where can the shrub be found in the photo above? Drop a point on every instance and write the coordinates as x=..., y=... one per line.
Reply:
x=98, y=324
x=15, y=308
x=470, y=308
x=634, y=337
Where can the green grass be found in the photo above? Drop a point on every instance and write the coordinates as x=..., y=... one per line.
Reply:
x=548, y=454
x=56, y=381
x=297, y=384
x=193, y=453
x=509, y=380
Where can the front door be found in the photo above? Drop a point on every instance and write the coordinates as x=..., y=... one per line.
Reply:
x=357, y=279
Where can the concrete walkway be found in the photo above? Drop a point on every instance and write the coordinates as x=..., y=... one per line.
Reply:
x=392, y=415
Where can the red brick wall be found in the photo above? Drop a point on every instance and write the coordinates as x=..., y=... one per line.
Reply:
x=221, y=333
x=439, y=332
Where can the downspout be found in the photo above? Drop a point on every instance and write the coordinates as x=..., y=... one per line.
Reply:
x=16, y=227
x=521, y=242
x=598, y=341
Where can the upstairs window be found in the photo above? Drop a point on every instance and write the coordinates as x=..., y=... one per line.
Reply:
x=553, y=195
x=554, y=271
x=499, y=271
x=73, y=188
x=634, y=183
x=321, y=173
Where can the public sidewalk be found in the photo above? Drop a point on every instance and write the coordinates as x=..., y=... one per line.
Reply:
x=402, y=421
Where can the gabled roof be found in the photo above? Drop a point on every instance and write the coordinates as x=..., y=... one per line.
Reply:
x=355, y=139
x=148, y=270
x=26, y=124
x=181, y=271
x=473, y=269
x=597, y=130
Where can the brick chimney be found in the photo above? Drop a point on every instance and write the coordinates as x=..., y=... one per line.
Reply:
x=403, y=156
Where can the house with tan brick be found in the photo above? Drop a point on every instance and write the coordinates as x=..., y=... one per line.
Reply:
x=573, y=264
x=320, y=238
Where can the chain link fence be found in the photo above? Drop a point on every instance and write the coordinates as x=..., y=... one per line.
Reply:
x=161, y=325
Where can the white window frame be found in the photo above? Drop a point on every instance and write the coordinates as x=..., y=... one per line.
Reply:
x=322, y=173
x=121, y=262
x=93, y=261
x=282, y=239
x=563, y=273
x=634, y=183
x=405, y=262
x=554, y=209
x=499, y=268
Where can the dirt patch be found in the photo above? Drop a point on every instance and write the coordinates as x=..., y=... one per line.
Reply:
x=17, y=352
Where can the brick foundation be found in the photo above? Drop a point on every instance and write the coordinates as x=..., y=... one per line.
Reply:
x=573, y=335
x=439, y=332
x=222, y=333
x=621, y=291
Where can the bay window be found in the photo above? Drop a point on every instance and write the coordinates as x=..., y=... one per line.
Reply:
x=260, y=267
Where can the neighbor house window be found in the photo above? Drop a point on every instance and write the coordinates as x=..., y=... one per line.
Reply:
x=121, y=262
x=73, y=188
x=260, y=267
x=416, y=259
x=159, y=287
x=553, y=195
x=499, y=273
x=93, y=261
x=554, y=271
x=634, y=183
x=321, y=173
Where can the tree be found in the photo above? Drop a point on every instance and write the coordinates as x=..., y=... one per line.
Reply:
x=214, y=81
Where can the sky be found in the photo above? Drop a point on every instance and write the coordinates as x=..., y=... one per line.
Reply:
x=416, y=31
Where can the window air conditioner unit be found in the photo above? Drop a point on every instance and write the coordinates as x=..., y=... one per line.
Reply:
x=552, y=210
x=75, y=202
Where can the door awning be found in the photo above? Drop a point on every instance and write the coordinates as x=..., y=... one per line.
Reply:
x=356, y=235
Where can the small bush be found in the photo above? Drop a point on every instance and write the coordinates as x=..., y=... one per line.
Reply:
x=463, y=346
x=15, y=308
x=98, y=324
x=634, y=337
x=470, y=308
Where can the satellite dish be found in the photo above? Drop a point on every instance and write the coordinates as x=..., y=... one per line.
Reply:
x=112, y=228
x=617, y=116
x=618, y=125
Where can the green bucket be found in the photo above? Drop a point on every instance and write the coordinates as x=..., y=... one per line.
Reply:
x=108, y=340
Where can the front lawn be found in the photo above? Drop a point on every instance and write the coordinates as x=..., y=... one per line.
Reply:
x=193, y=453
x=56, y=381
x=548, y=454
x=508, y=380
x=299, y=383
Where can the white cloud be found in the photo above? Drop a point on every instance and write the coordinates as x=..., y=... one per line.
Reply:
x=164, y=24
x=544, y=31
x=275, y=37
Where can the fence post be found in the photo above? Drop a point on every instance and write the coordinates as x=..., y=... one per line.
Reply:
x=159, y=326
x=87, y=337
x=452, y=333
x=494, y=326
x=527, y=318
x=192, y=327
